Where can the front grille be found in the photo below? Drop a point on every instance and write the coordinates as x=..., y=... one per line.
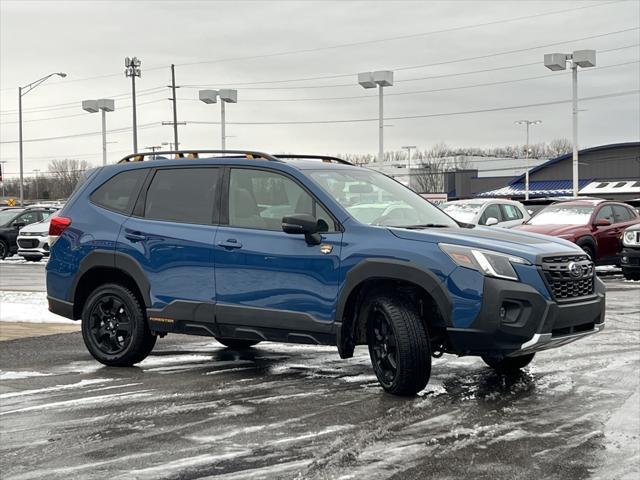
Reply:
x=28, y=242
x=568, y=276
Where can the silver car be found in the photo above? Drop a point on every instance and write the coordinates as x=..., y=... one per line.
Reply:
x=488, y=211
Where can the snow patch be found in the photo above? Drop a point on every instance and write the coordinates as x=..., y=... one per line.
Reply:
x=8, y=375
x=30, y=307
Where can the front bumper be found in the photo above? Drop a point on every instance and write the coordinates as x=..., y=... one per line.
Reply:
x=630, y=259
x=516, y=319
x=33, y=246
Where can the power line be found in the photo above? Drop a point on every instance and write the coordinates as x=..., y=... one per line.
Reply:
x=411, y=67
x=410, y=117
x=85, y=134
x=415, y=92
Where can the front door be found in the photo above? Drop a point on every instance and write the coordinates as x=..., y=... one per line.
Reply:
x=270, y=284
x=171, y=237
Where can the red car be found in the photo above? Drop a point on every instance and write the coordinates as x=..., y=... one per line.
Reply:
x=594, y=225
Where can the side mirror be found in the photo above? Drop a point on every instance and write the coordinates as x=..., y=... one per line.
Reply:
x=603, y=222
x=491, y=221
x=19, y=225
x=302, y=224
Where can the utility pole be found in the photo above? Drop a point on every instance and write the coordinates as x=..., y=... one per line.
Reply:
x=133, y=70
x=175, y=109
x=408, y=149
x=36, y=171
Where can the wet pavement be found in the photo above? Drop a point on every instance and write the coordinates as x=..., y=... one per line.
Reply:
x=194, y=409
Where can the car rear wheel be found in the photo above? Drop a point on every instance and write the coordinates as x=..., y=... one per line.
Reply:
x=398, y=345
x=114, y=327
x=4, y=249
x=236, y=343
x=508, y=364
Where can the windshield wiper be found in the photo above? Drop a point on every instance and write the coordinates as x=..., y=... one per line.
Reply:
x=425, y=225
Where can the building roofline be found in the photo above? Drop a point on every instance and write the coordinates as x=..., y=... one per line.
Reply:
x=611, y=146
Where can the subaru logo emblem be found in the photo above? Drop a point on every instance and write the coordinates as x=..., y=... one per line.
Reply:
x=575, y=270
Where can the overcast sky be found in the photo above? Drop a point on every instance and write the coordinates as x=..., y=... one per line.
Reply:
x=232, y=44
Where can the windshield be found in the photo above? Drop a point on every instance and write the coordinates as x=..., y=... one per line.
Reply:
x=7, y=215
x=463, y=212
x=563, y=215
x=375, y=199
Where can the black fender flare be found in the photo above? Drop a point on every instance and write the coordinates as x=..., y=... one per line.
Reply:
x=389, y=269
x=117, y=261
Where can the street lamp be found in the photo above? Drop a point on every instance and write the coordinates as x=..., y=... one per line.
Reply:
x=103, y=105
x=380, y=78
x=558, y=61
x=133, y=70
x=528, y=123
x=408, y=149
x=22, y=91
x=226, y=95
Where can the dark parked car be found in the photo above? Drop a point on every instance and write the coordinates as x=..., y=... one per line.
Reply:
x=593, y=225
x=12, y=220
x=257, y=247
x=630, y=256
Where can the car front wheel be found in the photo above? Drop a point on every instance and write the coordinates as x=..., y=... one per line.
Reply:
x=114, y=327
x=398, y=345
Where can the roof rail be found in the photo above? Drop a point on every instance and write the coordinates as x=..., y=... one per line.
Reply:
x=324, y=158
x=249, y=154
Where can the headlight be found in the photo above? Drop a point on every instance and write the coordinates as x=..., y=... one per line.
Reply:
x=629, y=237
x=493, y=264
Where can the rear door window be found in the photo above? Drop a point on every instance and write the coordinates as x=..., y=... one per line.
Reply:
x=622, y=214
x=185, y=195
x=119, y=193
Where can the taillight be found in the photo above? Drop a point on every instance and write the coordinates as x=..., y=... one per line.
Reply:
x=56, y=227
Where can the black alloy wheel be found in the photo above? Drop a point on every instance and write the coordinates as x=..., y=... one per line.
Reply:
x=383, y=348
x=110, y=325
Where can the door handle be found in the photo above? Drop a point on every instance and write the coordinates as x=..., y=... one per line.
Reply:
x=230, y=244
x=135, y=237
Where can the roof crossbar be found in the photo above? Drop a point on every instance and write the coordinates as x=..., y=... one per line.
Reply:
x=190, y=154
x=324, y=158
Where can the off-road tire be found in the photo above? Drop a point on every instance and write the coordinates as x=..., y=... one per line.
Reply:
x=412, y=348
x=236, y=343
x=508, y=364
x=141, y=340
x=630, y=275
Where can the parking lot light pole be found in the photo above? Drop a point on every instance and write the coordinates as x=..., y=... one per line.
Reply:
x=528, y=123
x=103, y=105
x=558, y=61
x=22, y=91
x=408, y=149
x=380, y=79
x=226, y=95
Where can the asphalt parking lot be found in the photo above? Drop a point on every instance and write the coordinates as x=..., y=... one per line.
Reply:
x=195, y=409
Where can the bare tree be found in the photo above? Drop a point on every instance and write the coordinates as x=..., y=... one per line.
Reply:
x=559, y=146
x=65, y=175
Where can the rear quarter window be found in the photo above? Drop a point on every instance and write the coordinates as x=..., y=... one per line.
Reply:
x=119, y=193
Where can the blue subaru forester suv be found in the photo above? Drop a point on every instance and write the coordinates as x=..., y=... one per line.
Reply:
x=249, y=247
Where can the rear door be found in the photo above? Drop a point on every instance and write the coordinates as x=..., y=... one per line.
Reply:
x=171, y=236
x=270, y=284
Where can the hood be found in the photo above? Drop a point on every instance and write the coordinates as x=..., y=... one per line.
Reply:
x=37, y=227
x=549, y=229
x=521, y=244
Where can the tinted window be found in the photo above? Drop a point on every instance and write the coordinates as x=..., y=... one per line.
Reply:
x=185, y=195
x=489, y=212
x=259, y=199
x=606, y=213
x=120, y=192
x=511, y=212
x=622, y=214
